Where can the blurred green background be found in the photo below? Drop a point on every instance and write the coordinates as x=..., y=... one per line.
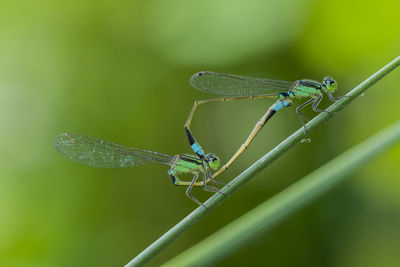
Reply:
x=118, y=70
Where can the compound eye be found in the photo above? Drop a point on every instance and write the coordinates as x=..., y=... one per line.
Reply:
x=330, y=83
x=328, y=80
x=213, y=160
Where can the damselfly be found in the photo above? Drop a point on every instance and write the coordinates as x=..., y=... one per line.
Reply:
x=98, y=153
x=234, y=87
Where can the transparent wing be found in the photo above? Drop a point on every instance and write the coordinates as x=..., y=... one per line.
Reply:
x=233, y=85
x=102, y=154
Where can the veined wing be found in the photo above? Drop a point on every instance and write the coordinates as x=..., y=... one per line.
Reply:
x=234, y=85
x=98, y=153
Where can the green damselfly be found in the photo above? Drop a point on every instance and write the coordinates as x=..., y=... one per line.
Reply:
x=99, y=153
x=235, y=87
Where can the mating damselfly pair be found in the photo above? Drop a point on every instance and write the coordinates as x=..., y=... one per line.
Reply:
x=103, y=154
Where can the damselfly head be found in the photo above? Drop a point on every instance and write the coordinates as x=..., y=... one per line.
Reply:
x=330, y=84
x=213, y=160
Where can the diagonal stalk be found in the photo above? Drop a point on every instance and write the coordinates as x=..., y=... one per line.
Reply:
x=250, y=226
x=158, y=245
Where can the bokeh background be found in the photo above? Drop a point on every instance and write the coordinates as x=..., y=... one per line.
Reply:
x=118, y=70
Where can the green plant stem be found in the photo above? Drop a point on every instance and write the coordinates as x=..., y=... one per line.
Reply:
x=262, y=218
x=259, y=165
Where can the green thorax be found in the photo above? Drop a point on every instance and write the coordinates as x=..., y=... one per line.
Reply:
x=186, y=163
x=306, y=88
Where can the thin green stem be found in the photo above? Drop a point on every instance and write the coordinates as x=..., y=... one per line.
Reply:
x=262, y=218
x=259, y=165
